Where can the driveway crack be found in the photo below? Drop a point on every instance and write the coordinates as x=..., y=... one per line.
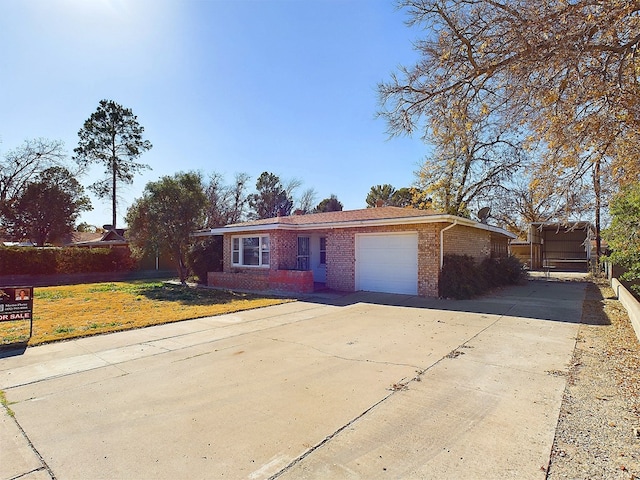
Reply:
x=43, y=463
x=348, y=359
x=399, y=386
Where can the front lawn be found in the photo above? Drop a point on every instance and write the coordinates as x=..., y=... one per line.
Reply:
x=61, y=313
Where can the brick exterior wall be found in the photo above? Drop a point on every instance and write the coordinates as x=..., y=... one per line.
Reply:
x=341, y=256
x=499, y=245
x=285, y=281
x=246, y=280
x=284, y=250
x=429, y=255
x=341, y=266
x=341, y=260
x=462, y=240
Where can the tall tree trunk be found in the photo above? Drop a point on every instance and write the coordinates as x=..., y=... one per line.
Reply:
x=113, y=194
x=597, y=190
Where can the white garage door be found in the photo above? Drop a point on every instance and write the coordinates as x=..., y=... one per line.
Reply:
x=387, y=263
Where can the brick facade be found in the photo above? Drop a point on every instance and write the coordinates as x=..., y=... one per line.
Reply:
x=280, y=276
x=341, y=256
x=285, y=281
x=462, y=240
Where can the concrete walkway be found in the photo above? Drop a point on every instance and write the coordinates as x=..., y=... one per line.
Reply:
x=361, y=386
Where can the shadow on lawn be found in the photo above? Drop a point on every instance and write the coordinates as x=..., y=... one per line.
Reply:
x=190, y=295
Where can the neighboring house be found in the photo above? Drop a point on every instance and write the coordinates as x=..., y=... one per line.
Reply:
x=110, y=238
x=566, y=247
x=115, y=238
x=386, y=249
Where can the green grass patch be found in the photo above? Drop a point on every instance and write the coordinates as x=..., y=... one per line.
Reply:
x=66, y=312
x=5, y=403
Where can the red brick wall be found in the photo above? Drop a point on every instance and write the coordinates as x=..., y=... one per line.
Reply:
x=291, y=281
x=284, y=250
x=341, y=255
x=257, y=280
x=341, y=260
x=341, y=271
x=263, y=280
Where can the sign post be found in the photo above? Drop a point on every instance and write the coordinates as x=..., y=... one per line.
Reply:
x=16, y=304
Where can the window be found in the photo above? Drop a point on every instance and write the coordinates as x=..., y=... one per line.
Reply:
x=323, y=250
x=250, y=251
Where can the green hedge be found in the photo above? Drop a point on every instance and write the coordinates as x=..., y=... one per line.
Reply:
x=42, y=261
x=463, y=278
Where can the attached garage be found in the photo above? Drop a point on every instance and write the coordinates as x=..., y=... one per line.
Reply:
x=383, y=249
x=387, y=262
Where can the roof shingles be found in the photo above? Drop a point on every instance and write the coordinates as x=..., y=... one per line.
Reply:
x=365, y=214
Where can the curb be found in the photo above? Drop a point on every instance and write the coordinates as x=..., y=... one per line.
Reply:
x=629, y=302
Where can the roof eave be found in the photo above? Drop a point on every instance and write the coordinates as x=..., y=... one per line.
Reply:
x=439, y=218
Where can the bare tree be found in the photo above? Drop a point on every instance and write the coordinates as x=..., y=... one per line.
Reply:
x=566, y=71
x=23, y=164
x=225, y=203
x=307, y=200
x=528, y=200
x=473, y=158
x=239, y=197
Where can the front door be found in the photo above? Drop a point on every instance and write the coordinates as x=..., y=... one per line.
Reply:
x=320, y=261
x=304, y=253
x=312, y=255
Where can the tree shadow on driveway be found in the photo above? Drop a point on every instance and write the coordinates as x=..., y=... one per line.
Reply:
x=536, y=299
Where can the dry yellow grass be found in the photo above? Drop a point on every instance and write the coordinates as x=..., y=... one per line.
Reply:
x=61, y=313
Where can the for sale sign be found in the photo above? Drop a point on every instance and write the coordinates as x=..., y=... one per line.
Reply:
x=16, y=303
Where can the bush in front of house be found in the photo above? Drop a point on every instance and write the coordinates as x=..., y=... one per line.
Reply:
x=502, y=271
x=459, y=277
x=205, y=256
x=46, y=261
x=462, y=278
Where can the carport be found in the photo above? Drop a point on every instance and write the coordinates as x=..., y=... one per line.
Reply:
x=563, y=247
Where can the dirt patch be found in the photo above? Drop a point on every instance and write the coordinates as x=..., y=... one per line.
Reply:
x=598, y=429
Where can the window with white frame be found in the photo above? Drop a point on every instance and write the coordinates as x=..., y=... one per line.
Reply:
x=250, y=251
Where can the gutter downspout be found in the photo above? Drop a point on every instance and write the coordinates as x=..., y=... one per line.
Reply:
x=455, y=222
x=530, y=237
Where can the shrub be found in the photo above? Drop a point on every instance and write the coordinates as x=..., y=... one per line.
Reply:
x=43, y=261
x=27, y=260
x=513, y=272
x=499, y=271
x=205, y=256
x=459, y=277
x=462, y=278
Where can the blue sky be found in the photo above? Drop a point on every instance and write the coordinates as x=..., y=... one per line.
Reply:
x=286, y=86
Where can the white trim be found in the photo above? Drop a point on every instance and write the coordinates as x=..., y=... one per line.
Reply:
x=441, y=218
x=241, y=254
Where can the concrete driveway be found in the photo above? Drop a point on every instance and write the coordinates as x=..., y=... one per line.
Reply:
x=360, y=386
